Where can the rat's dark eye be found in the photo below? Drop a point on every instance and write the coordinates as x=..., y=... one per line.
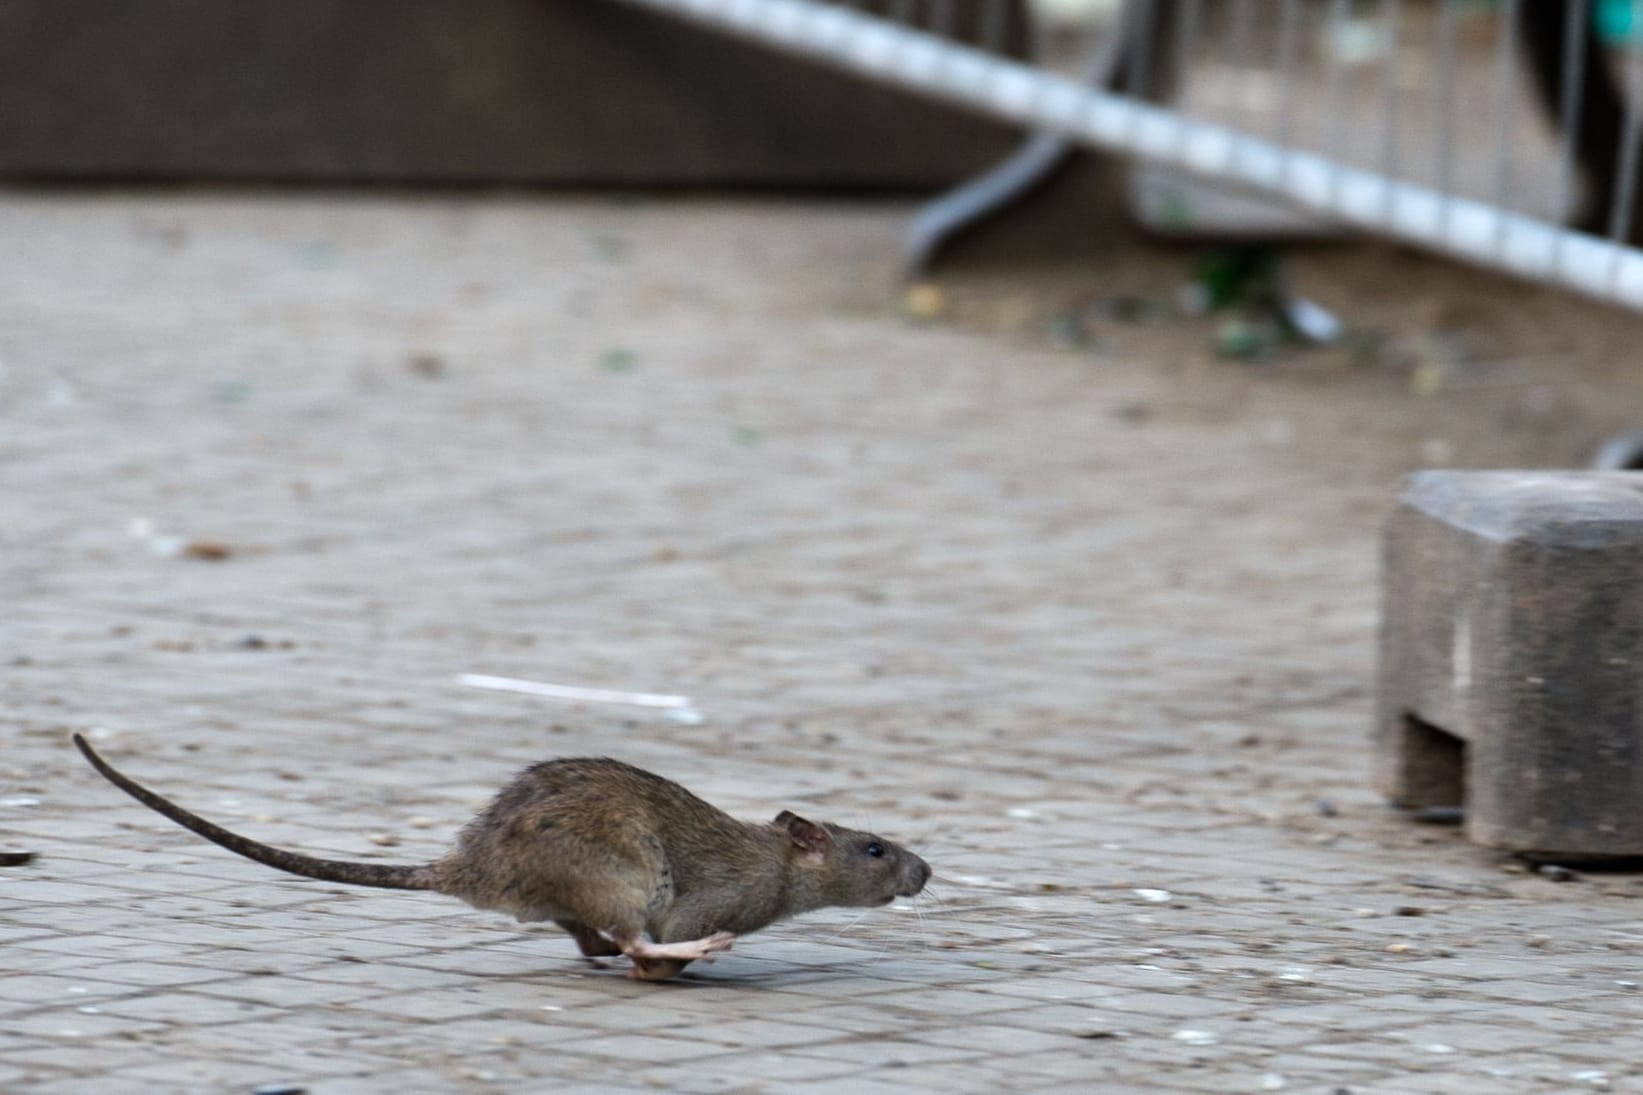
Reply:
x=875, y=849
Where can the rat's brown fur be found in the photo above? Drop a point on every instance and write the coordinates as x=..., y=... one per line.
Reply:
x=612, y=853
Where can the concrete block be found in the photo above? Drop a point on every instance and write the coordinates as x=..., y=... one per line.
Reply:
x=1511, y=661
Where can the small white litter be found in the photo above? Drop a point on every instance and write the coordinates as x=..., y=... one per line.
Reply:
x=572, y=692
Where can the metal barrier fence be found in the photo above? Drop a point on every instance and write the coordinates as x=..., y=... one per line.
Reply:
x=1418, y=122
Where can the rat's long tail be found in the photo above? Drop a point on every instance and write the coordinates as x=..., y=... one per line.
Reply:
x=387, y=876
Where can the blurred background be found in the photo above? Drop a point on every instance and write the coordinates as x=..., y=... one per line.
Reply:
x=1087, y=136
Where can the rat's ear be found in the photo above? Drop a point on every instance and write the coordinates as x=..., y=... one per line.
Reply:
x=807, y=835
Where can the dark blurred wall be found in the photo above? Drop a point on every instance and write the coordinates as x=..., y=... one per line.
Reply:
x=513, y=91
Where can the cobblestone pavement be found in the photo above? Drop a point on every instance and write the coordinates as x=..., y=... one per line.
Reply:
x=1092, y=633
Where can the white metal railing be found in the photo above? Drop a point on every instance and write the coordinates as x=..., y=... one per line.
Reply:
x=1385, y=196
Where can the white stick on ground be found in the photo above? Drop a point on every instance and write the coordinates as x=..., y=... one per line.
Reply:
x=571, y=692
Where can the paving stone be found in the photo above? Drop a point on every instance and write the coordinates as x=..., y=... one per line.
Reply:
x=56, y=989
x=977, y=1038
x=427, y=1007
x=1164, y=1005
x=71, y=1025
x=153, y=974
x=762, y=1032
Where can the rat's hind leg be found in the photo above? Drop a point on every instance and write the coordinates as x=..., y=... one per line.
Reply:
x=660, y=961
x=590, y=942
x=689, y=951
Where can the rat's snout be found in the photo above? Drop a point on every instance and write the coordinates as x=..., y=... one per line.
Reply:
x=914, y=874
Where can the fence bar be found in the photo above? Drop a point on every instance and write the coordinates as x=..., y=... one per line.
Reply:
x=1620, y=216
x=1505, y=114
x=1574, y=75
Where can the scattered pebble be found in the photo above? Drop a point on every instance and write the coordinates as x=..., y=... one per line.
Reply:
x=386, y=840
x=1554, y=873
x=923, y=301
x=1438, y=1047
x=1022, y=813
x=1273, y=1081
x=15, y=859
x=166, y=547
x=1310, y=321
x=426, y=364
x=254, y=642
x=1428, y=378
x=1408, y=910
x=1132, y=413
x=214, y=551
x=1157, y=897
x=1398, y=948
x=1327, y=808
x=420, y=822
x=280, y=1089
x=1437, y=450
x=1197, y=1037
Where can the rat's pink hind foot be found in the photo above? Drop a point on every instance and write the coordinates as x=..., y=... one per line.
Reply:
x=688, y=951
x=661, y=961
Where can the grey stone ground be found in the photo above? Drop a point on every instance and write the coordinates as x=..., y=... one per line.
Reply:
x=1094, y=635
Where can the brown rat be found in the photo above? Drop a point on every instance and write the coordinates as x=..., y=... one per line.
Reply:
x=612, y=853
